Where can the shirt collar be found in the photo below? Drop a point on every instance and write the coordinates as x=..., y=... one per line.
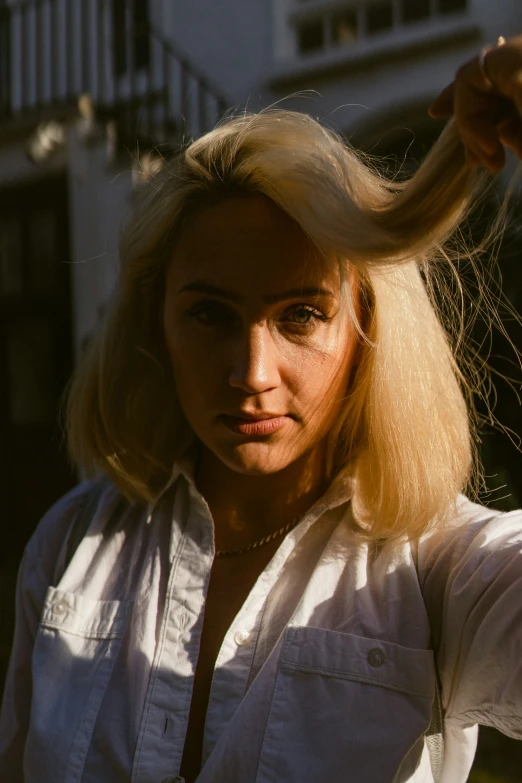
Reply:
x=340, y=490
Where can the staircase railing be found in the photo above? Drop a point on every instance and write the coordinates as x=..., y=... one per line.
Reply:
x=53, y=51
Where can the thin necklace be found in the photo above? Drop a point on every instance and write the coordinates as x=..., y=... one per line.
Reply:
x=260, y=541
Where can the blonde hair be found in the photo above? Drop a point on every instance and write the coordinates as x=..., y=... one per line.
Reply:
x=405, y=430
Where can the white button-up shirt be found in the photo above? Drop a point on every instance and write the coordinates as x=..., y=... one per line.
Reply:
x=327, y=673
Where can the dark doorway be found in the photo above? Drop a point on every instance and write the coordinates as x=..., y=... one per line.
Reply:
x=35, y=365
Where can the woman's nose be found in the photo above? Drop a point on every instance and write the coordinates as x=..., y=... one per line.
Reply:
x=255, y=367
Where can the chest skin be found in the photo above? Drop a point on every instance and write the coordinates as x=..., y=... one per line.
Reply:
x=231, y=581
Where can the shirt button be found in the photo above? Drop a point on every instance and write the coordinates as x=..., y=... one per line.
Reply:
x=241, y=638
x=376, y=657
x=60, y=607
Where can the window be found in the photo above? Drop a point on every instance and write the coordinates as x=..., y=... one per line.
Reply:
x=452, y=6
x=341, y=23
x=344, y=28
x=310, y=36
x=379, y=17
x=415, y=10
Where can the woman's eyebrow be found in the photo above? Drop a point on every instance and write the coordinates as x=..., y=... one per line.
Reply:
x=206, y=288
x=201, y=287
x=295, y=293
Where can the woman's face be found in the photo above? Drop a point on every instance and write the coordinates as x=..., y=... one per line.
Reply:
x=260, y=349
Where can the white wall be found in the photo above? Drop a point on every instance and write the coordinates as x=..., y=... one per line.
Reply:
x=229, y=40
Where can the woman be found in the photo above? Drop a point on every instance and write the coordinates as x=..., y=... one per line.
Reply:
x=304, y=595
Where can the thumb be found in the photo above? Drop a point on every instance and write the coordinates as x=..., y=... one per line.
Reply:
x=442, y=106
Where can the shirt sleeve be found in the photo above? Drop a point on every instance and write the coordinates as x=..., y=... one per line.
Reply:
x=36, y=573
x=471, y=577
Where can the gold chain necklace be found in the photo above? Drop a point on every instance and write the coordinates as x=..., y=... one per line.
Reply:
x=260, y=541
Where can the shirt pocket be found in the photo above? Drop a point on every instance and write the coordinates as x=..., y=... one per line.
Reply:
x=76, y=646
x=346, y=708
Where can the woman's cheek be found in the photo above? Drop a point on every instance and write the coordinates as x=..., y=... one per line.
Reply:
x=197, y=367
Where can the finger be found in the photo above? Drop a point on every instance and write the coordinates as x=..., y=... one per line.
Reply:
x=510, y=134
x=513, y=143
x=504, y=68
x=477, y=108
x=495, y=162
x=476, y=156
x=482, y=133
x=509, y=127
x=476, y=120
x=442, y=106
x=472, y=73
x=516, y=94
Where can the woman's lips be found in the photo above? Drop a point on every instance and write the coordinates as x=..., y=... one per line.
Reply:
x=254, y=426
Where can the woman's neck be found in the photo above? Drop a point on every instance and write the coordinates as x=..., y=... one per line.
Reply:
x=245, y=508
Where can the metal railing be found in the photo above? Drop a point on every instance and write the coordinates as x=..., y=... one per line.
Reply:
x=53, y=51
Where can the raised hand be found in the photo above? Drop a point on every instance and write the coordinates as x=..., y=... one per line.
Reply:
x=486, y=101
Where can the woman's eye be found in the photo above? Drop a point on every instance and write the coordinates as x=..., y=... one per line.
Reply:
x=211, y=313
x=304, y=316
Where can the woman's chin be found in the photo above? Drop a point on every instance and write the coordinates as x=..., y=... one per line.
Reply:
x=255, y=459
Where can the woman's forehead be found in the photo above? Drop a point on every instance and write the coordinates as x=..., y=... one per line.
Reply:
x=249, y=242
